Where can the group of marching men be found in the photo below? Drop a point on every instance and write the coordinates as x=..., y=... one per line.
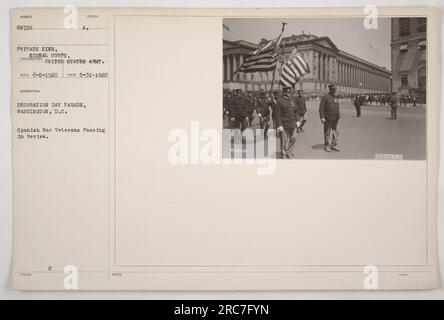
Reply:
x=239, y=108
x=390, y=99
x=385, y=99
x=284, y=110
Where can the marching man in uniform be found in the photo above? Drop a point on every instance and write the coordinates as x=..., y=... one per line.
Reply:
x=285, y=122
x=358, y=104
x=329, y=114
x=250, y=108
x=394, y=103
x=275, y=96
x=263, y=112
x=301, y=110
x=238, y=111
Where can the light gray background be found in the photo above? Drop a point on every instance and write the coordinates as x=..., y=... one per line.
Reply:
x=5, y=157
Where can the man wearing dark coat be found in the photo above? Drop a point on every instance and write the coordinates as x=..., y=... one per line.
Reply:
x=250, y=108
x=263, y=112
x=238, y=110
x=285, y=122
x=329, y=114
x=358, y=102
x=301, y=110
x=394, y=103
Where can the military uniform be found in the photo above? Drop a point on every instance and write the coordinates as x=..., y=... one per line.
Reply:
x=238, y=109
x=358, y=103
x=285, y=118
x=263, y=110
x=226, y=103
x=250, y=108
x=301, y=110
x=272, y=102
x=394, y=102
x=329, y=110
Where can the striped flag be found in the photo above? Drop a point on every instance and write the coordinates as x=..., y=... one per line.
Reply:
x=293, y=70
x=264, y=58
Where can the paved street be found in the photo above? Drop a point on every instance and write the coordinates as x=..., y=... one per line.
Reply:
x=362, y=138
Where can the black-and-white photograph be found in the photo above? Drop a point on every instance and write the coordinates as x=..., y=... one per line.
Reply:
x=326, y=88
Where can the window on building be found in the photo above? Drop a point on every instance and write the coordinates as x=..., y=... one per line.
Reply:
x=404, y=48
x=422, y=24
x=404, y=27
x=404, y=81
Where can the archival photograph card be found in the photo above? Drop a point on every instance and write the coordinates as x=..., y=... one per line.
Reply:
x=198, y=149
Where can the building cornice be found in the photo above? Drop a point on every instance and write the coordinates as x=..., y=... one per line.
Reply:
x=419, y=36
x=316, y=42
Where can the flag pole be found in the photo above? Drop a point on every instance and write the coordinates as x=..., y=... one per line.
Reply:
x=275, y=68
x=272, y=81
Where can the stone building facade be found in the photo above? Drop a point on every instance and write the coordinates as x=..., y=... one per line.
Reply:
x=409, y=54
x=327, y=64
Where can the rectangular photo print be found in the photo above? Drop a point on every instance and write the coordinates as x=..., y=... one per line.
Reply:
x=325, y=88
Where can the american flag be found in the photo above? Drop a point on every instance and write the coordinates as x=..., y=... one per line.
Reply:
x=293, y=70
x=264, y=58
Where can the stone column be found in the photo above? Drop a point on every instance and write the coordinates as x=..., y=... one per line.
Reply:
x=356, y=77
x=224, y=71
x=351, y=76
x=321, y=66
x=348, y=74
x=368, y=80
x=331, y=71
x=343, y=73
x=236, y=58
x=365, y=79
x=339, y=72
x=328, y=63
x=344, y=76
x=327, y=68
x=356, y=84
x=235, y=67
x=241, y=74
x=315, y=64
x=362, y=77
x=310, y=63
x=229, y=68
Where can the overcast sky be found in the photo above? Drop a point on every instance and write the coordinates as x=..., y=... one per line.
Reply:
x=348, y=34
